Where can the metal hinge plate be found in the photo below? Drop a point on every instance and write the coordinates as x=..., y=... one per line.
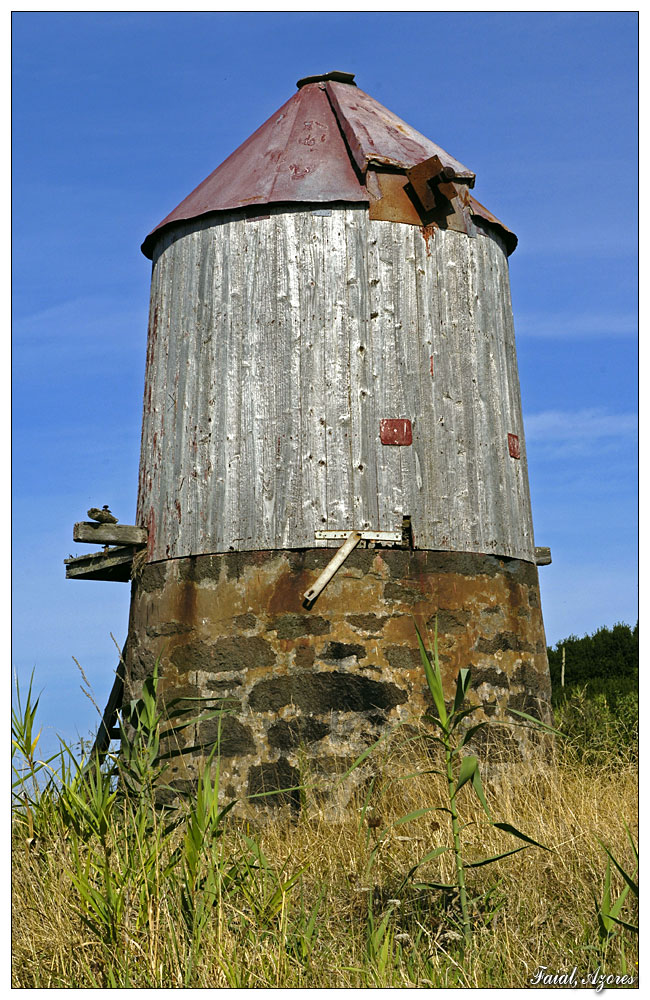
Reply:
x=366, y=536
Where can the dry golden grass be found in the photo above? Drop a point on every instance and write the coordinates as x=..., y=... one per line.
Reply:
x=368, y=928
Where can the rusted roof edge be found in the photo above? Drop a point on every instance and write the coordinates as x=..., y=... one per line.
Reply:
x=250, y=211
x=485, y=216
x=485, y=219
x=361, y=142
x=465, y=177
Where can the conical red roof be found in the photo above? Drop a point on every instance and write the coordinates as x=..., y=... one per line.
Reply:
x=318, y=147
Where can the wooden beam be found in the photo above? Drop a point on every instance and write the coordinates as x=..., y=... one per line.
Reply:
x=114, y=565
x=542, y=555
x=109, y=534
x=107, y=731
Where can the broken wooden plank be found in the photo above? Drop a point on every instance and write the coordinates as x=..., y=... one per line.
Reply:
x=113, y=565
x=109, y=534
x=542, y=555
x=107, y=730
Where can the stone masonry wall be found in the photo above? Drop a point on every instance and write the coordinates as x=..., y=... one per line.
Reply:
x=307, y=691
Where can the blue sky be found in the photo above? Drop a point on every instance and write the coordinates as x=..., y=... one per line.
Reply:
x=117, y=117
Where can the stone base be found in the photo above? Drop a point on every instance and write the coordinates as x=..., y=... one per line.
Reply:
x=306, y=691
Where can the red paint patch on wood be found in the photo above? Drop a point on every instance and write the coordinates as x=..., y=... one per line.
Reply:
x=513, y=446
x=395, y=432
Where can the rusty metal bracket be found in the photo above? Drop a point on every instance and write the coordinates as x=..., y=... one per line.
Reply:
x=443, y=194
x=430, y=175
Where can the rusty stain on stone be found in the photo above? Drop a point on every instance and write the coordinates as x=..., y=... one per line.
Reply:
x=297, y=685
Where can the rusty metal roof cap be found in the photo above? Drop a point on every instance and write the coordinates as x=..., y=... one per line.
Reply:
x=335, y=74
x=318, y=147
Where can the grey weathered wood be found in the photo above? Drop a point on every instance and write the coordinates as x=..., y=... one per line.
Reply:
x=114, y=565
x=543, y=555
x=109, y=534
x=312, y=372
x=335, y=398
x=107, y=730
x=364, y=493
x=275, y=348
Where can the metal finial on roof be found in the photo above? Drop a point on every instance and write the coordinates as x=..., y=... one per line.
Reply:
x=335, y=75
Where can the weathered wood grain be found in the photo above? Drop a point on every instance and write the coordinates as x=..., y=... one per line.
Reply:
x=114, y=565
x=109, y=534
x=276, y=346
x=363, y=465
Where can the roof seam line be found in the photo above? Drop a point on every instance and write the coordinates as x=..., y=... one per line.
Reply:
x=360, y=174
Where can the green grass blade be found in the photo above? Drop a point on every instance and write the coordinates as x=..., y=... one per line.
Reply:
x=536, y=722
x=427, y=857
x=470, y=732
x=603, y=930
x=508, y=828
x=617, y=906
x=468, y=767
x=459, y=716
x=435, y=720
x=632, y=844
x=462, y=684
x=431, y=855
x=433, y=677
x=362, y=756
x=403, y=819
x=606, y=900
x=629, y=880
x=442, y=886
x=496, y=857
x=413, y=815
x=624, y=923
x=477, y=785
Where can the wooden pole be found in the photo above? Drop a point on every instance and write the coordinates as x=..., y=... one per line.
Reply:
x=105, y=731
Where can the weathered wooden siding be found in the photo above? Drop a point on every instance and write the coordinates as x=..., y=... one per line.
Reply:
x=277, y=345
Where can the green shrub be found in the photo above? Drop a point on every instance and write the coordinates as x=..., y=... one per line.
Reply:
x=599, y=725
x=598, y=706
x=608, y=654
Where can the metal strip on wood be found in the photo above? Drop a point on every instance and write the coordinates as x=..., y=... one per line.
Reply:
x=366, y=536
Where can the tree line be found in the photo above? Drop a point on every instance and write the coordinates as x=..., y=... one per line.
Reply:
x=610, y=653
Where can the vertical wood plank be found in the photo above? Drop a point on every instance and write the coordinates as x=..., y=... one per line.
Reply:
x=288, y=469
x=232, y=384
x=387, y=389
x=336, y=386
x=363, y=420
x=312, y=375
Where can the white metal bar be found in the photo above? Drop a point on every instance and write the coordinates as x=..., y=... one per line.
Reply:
x=366, y=536
x=351, y=542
